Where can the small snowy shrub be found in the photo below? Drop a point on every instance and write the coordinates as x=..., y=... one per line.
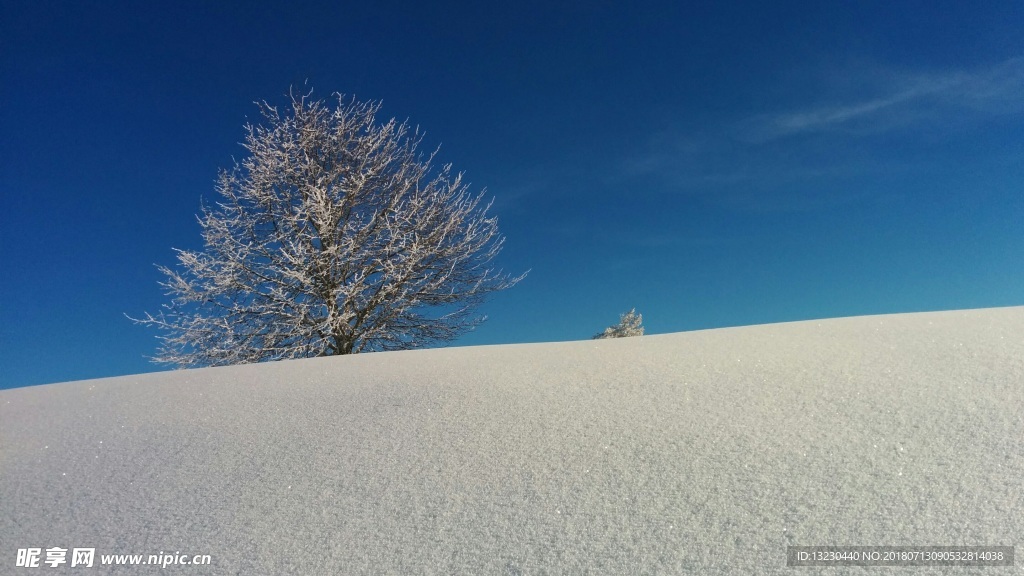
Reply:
x=629, y=325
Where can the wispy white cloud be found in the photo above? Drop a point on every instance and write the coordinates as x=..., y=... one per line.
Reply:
x=822, y=155
x=902, y=100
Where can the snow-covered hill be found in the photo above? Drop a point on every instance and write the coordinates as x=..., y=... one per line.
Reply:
x=703, y=452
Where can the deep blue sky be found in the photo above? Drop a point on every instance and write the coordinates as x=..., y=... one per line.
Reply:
x=711, y=165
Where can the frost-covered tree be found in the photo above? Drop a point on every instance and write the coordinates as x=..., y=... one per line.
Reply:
x=629, y=325
x=334, y=235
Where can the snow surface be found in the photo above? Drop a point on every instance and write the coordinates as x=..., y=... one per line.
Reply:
x=704, y=452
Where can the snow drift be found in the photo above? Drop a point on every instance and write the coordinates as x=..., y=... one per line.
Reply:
x=701, y=452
